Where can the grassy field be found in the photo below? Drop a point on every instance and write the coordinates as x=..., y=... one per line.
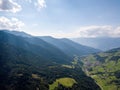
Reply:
x=106, y=73
x=106, y=76
x=104, y=83
x=35, y=76
x=67, y=82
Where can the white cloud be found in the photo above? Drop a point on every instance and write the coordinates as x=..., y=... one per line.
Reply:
x=92, y=31
x=116, y=32
x=40, y=4
x=9, y=6
x=10, y=24
x=95, y=31
x=13, y=6
x=98, y=31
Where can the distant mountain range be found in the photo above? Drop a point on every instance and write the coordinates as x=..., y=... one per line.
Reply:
x=67, y=46
x=103, y=43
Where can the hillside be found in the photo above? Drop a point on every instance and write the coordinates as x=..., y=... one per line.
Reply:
x=69, y=47
x=34, y=45
x=104, y=68
x=35, y=65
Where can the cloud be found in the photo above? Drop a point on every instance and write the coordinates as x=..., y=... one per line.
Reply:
x=116, y=32
x=9, y=6
x=97, y=31
x=40, y=4
x=92, y=31
x=13, y=6
x=10, y=24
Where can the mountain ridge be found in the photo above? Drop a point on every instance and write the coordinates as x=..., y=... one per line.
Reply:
x=72, y=47
x=67, y=46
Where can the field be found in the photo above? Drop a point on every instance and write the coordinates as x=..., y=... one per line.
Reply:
x=104, y=68
x=67, y=82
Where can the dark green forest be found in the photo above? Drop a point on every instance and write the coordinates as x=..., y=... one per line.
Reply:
x=33, y=64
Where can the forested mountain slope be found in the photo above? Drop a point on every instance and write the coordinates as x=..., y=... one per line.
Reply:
x=24, y=65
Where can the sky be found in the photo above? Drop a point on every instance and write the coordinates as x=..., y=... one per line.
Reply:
x=62, y=18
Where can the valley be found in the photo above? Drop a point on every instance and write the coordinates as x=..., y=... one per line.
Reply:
x=41, y=63
x=104, y=68
x=31, y=63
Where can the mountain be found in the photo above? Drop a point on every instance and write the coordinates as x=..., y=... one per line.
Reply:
x=69, y=47
x=18, y=33
x=103, y=43
x=29, y=44
x=104, y=68
x=29, y=63
x=65, y=45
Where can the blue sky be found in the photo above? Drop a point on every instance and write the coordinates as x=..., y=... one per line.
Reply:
x=62, y=18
